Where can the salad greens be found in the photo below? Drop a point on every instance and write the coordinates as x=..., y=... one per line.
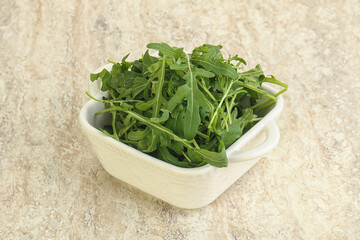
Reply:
x=184, y=109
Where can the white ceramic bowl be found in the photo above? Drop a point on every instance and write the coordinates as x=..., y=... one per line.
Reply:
x=182, y=187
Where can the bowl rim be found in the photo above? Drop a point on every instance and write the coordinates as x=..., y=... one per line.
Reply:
x=271, y=115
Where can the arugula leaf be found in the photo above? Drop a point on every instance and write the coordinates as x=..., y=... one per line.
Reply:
x=167, y=50
x=159, y=73
x=217, y=68
x=177, y=124
x=213, y=158
x=138, y=135
x=95, y=76
x=164, y=117
x=148, y=60
x=165, y=155
x=237, y=127
x=195, y=100
x=139, y=85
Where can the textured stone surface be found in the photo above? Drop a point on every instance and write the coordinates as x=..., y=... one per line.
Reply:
x=52, y=186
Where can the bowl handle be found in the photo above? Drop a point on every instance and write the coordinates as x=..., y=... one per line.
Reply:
x=272, y=139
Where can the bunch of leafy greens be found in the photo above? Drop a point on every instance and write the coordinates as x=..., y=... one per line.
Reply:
x=184, y=109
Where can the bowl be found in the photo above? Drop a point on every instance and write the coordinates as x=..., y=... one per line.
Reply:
x=187, y=188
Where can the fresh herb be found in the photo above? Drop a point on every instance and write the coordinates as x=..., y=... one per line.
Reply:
x=184, y=109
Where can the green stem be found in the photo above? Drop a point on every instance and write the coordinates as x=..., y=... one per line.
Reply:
x=128, y=141
x=202, y=135
x=255, y=119
x=159, y=88
x=221, y=102
x=206, y=90
x=124, y=130
x=226, y=125
x=249, y=73
x=195, y=144
x=114, y=126
x=112, y=101
x=103, y=111
x=268, y=102
x=228, y=110
x=256, y=90
x=186, y=157
x=112, y=94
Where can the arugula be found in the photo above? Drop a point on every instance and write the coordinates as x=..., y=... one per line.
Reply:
x=184, y=109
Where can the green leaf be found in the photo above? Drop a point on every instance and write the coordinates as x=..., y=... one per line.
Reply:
x=139, y=85
x=203, y=73
x=167, y=50
x=105, y=81
x=143, y=106
x=213, y=158
x=177, y=66
x=165, y=155
x=209, y=52
x=95, y=76
x=217, y=68
x=177, y=99
x=123, y=60
x=237, y=58
x=195, y=100
x=177, y=124
x=177, y=147
x=237, y=127
x=149, y=144
x=139, y=134
x=272, y=79
x=159, y=73
x=148, y=60
x=164, y=117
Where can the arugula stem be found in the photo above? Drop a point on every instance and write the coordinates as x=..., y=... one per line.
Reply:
x=226, y=125
x=195, y=144
x=114, y=126
x=186, y=157
x=124, y=130
x=104, y=111
x=206, y=90
x=112, y=94
x=221, y=102
x=233, y=100
x=228, y=110
x=268, y=101
x=106, y=133
x=250, y=73
x=202, y=135
x=159, y=88
x=128, y=141
x=266, y=105
x=256, y=90
x=112, y=101
x=255, y=119
x=211, y=144
x=248, y=78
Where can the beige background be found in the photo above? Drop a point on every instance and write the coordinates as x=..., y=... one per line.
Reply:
x=53, y=187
